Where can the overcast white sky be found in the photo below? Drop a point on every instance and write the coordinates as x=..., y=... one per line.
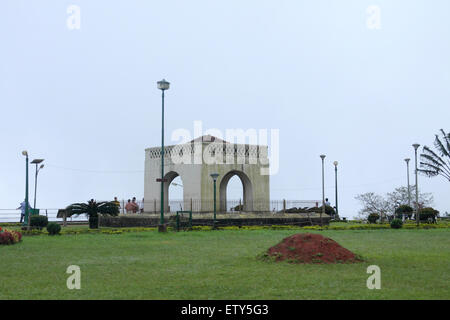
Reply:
x=86, y=100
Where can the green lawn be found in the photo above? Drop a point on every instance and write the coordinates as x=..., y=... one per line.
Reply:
x=223, y=265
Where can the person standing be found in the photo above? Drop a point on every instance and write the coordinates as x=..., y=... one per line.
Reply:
x=328, y=204
x=129, y=206
x=22, y=208
x=117, y=203
x=135, y=205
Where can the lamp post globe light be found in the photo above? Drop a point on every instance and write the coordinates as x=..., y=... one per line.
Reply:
x=162, y=85
x=416, y=146
x=322, y=156
x=407, y=180
x=214, y=176
x=26, y=219
x=36, y=162
x=335, y=163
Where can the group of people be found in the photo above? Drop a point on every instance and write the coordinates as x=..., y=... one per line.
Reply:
x=131, y=206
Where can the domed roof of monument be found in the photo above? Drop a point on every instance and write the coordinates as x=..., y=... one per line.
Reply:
x=209, y=138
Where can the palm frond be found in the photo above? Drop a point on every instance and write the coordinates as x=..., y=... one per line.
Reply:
x=434, y=164
x=432, y=158
x=429, y=173
x=108, y=207
x=447, y=139
x=76, y=209
x=441, y=148
x=430, y=170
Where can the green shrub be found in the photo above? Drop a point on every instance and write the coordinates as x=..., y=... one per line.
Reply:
x=428, y=214
x=373, y=217
x=396, y=223
x=239, y=207
x=329, y=210
x=299, y=210
x=53, y=228
x=404, y=209
x=39, y=222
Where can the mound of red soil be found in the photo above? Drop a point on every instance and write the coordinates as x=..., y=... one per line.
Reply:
x=311, y=248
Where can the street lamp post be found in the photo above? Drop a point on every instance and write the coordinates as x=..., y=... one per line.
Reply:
x=27, y=219
x=416, y=146
x=36, y=162
x=336, y=189
x=322, y=156
x=214, y=176
x=407, y=177
x=163, y=85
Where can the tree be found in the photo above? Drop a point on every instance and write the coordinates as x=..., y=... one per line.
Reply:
x=92, y=210
x=373, y=203
x=386, y=205
x=437, y=162
x=400, y=197
x=428, y=214
x=404, y=210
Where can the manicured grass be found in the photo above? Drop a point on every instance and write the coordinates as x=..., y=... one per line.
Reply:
x=223, y=265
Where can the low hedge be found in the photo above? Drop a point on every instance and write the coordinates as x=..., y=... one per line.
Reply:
x=75, y=231
x=319, y=228
x=10, y=224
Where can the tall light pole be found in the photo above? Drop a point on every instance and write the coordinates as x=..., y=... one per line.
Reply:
x=416, y=146
x=36, y=162
x=336, y=188
x=27, y=219
x=407, y=177
x=214, y=176
x=163, y=85
x=322, y=156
